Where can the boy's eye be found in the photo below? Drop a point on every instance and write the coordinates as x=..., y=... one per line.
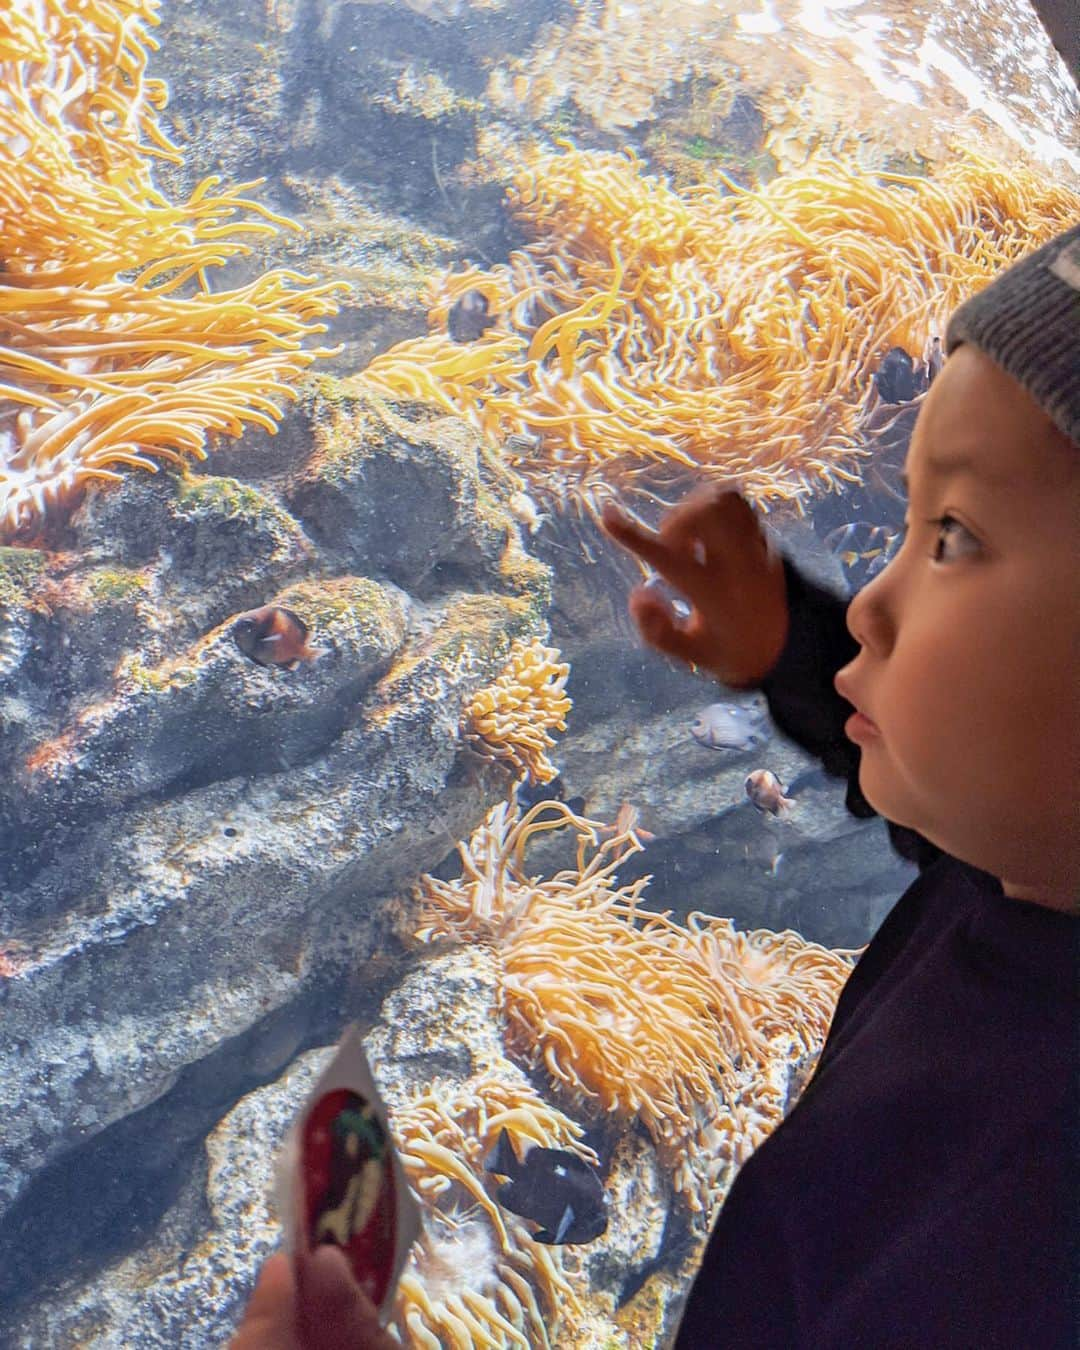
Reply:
x=949, y=529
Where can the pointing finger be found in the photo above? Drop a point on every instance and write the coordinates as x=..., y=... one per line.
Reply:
x=712, y=526
x=626, y=531
x=674, y=566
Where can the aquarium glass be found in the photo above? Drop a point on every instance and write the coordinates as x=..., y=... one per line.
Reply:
x=328, y=330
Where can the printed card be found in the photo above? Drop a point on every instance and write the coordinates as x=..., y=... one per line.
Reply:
x=341, y=1181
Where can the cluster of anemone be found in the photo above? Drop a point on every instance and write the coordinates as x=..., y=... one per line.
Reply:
x=730, y=333
x=476, y=1276
x=512, y=719
x=693, y=1029
x=114, y=348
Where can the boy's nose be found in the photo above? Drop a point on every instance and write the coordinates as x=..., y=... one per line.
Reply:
x=871, y=616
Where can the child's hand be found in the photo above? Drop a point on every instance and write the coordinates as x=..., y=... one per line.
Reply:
x=319, y=1307
x=712, y=550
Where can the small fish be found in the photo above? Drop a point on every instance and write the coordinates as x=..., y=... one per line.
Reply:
x=552, y=1187
x=15, y=956
x=897, y=380
x=520, y=444
x=12, y=650
x=933, y=359
x=274, y=636
x=530, y=793
x=861, y=542
x=626, y=819
x=469, y=317
x=767, y=792
x=877, y=565
x=730, y=726
x=526, y=510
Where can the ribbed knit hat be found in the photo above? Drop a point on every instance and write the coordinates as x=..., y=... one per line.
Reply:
x=1028, y=321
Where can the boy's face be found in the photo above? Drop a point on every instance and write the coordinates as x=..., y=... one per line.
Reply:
x=970, y=660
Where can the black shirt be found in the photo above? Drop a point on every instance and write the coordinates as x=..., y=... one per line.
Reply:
x=923, y=1192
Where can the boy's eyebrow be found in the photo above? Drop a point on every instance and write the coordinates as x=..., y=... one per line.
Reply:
x=941, y=466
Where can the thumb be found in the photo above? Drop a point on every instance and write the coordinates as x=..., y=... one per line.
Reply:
x=660, y=626
x=268, y=1318
x=332, y=1311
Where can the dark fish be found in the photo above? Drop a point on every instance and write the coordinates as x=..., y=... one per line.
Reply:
x=730, y=726
x=552, y=1187
x=469, y=317
x=521, y=444
x=274, y=636
x=530, y=793
x=896, y=378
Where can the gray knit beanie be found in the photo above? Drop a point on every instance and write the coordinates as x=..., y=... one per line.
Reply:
x=1028, y=321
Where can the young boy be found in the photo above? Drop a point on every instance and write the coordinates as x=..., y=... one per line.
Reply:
x=923, y=1192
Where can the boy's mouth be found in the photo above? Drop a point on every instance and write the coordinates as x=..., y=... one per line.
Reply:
x=859, y=728
x=858, y=722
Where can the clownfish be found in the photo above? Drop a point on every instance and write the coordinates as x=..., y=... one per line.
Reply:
x=274, y=636
x=767, y=792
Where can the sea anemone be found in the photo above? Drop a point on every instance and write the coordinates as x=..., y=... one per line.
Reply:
x=512, y=719
x=114, y=349
x=695, y=1030
x=645, y=333
x=494, y=894
x=477, y=1277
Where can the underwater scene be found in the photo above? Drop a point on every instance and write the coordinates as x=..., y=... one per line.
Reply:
x=327, y=330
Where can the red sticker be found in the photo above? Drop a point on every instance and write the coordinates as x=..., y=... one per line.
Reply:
x=349, y=1187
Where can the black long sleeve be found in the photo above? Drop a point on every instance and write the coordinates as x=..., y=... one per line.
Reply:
x=806, y=707
x=923, y=1192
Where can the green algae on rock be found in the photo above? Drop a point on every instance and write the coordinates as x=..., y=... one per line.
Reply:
x=117, y=583
x=20, y=571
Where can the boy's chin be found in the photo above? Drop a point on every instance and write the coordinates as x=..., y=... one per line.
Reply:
x=894, y=805
x=883, y=797
x=870, y=787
